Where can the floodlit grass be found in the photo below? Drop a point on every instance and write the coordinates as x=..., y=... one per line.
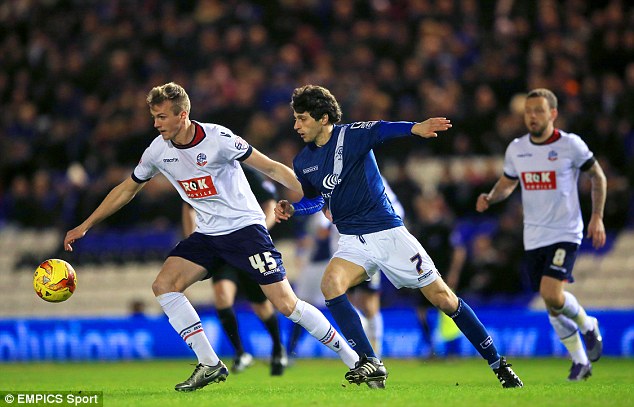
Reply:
x=317, y=382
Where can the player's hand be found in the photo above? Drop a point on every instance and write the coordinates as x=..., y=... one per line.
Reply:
x=283, y=211
x=71, y=236
x=596, y=231
x=482, y=204
x=429, y=127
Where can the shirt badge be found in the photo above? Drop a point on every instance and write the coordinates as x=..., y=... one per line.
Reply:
x=201, y=160
x=552, y=155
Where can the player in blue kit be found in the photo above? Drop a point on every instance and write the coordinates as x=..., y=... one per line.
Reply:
x=337, y=168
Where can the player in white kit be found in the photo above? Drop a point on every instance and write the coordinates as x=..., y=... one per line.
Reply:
x=546, y=162
x=201, y=160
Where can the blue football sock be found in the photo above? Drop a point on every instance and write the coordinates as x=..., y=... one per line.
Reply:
x=472, y=328
x=350, y=325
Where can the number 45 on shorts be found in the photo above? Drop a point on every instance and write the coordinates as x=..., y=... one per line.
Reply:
x=264, y=262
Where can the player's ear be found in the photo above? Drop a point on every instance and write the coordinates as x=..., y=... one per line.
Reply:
x=324, y=119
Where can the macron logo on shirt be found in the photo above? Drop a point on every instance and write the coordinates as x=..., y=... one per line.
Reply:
x=539, y=180
x=198, y=187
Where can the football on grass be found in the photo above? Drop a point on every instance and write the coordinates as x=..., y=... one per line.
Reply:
x=54, y=280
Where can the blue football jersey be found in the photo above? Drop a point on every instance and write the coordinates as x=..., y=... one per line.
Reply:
x=345, y=173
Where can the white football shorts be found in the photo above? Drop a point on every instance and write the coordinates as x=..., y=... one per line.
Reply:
x=402, y=258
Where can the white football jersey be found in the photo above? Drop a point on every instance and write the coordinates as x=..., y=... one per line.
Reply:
x=548, y=174
x=207, y=175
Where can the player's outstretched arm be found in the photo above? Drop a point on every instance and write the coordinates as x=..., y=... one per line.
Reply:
x=596, y=229
x=115, y=200
x=275, y=170
x=501, y=190
x=430, y=127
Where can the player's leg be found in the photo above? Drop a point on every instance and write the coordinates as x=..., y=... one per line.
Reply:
x=406, y=264
x=339, y=276
x=343, y=272
x=366, y=297
x=296, y=334
x=422, y=312
x=225, y=289
x=252, y=250
x=555, y=264
x=307, y=287
x=263, y=308
x=561, y=302
x=300, y=312
x=176, y=275
x=565, y=327
x=439, y=294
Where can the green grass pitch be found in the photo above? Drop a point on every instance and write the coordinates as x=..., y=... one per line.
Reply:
x=319, y=382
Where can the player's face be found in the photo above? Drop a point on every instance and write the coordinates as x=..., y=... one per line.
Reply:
x=170, y=125
x=308, y=128
x=538, y=116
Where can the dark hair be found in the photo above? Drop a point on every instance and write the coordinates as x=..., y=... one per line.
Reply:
x=173, y=92
x=317, y=101
x=546, y=94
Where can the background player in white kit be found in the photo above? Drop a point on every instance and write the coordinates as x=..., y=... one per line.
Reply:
x=201, y=160
x=547, y=162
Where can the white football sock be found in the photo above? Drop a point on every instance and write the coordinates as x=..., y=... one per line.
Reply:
x=568, y=334
x=185, y=320
x=573, y=310
x=320, y=328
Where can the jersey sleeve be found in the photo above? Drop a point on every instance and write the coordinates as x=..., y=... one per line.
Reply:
x=145, y=169
x=382, y=131
x=232, y=147
x=582, y=156
x=509, y=166
x=367, y=135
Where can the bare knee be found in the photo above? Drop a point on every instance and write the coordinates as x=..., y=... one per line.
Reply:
x=176, y=275
x=286, y=306
x=333, y=285
x=162, y=285
x=223, y=301
x=441, y=296
x=339, y=276
x=447, y=302
x=552, y=292
x=553, y=301
x=281, y=296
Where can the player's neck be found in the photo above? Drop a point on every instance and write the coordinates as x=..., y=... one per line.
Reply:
x=186, y=136
x=323, y=137
x=546, y=134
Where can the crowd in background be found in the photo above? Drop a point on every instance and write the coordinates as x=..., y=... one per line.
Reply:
x=74, y=75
